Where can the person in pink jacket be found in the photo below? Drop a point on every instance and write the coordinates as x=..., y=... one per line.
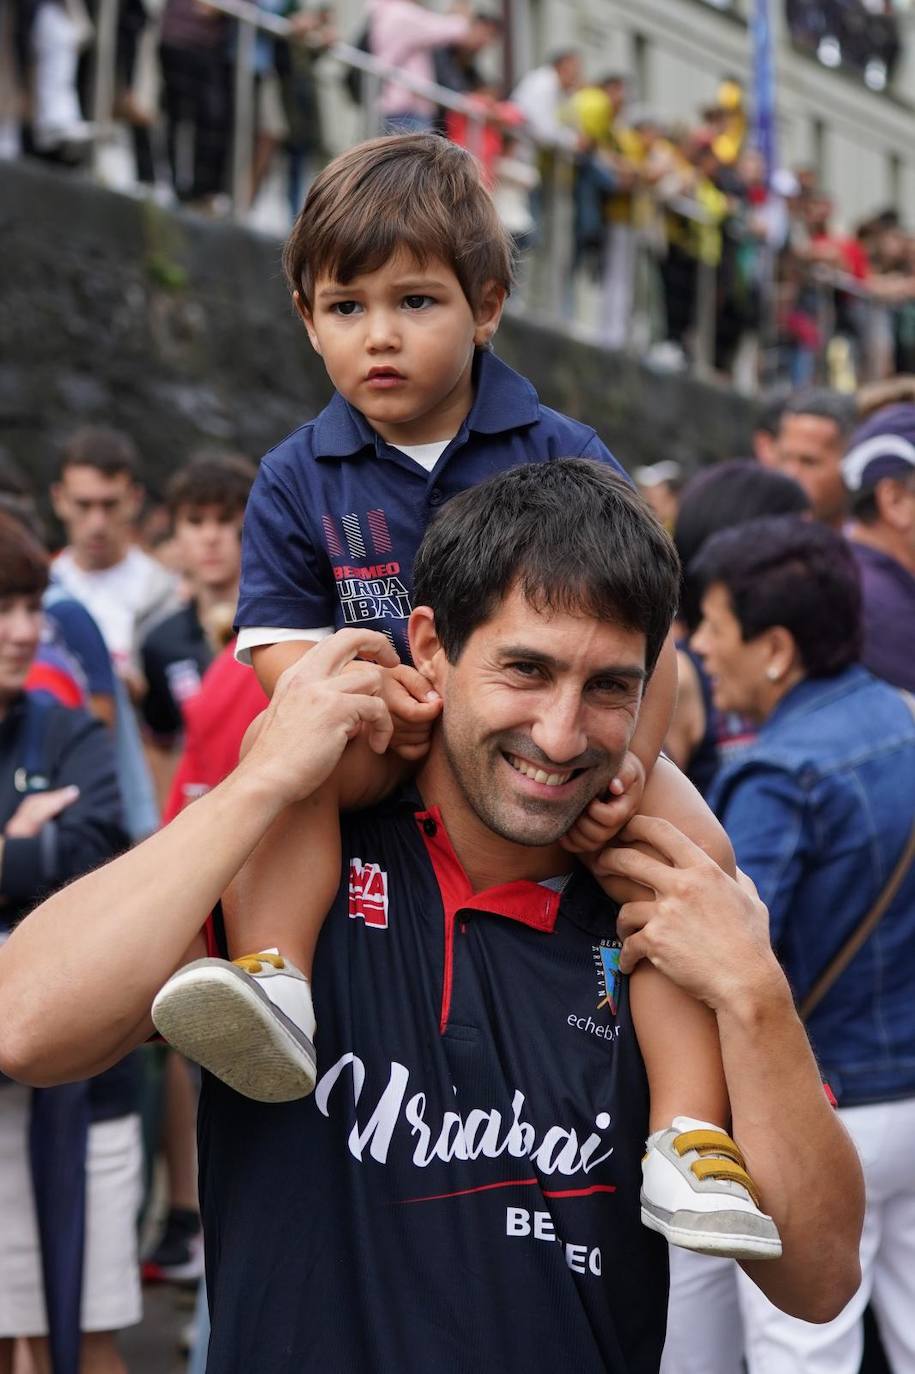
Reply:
x=404, y=34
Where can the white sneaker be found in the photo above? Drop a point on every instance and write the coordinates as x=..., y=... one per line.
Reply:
x=250, y=1023
x=696, y=1191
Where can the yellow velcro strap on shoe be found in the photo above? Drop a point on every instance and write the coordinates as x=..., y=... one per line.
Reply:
x=252, y=963
x=709, y=1143
x=725, y=1169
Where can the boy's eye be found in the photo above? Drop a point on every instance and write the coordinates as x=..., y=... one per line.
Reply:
x=345, y=307
x=417, y=302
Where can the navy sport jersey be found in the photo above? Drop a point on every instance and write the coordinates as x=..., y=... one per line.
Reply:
x=336, y=515
x=461, y=1193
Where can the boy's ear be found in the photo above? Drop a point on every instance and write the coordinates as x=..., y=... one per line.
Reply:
x=488, y=313
x=307, y=319
x=425, y=647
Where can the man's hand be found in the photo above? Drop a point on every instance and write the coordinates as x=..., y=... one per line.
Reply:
x=322, y=702
x=607, y=815
x=36, y=810
x=705, y=931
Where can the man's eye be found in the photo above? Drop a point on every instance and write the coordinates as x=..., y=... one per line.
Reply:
x=417, y=302
x=610, y=686
x=344, y=308
x=525, y=670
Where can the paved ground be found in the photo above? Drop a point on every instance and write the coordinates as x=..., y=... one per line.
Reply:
x=153, y=1347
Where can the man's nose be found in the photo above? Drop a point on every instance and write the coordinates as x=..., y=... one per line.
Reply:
x=559, y=730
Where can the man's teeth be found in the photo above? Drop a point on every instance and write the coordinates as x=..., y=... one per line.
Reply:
x=537, y=774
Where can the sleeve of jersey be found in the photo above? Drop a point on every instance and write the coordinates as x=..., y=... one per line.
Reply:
x=84, y=638
x=597, y=450
x=285, y=574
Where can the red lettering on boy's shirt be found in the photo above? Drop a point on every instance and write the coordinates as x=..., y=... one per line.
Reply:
x=343, y=571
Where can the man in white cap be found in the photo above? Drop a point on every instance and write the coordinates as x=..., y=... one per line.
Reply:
x=879, y=473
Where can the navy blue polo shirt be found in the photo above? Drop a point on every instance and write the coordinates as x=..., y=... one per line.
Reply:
x=461, y=1193
x=336, y=514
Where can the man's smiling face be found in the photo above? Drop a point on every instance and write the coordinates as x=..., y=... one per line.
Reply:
x=539, y=710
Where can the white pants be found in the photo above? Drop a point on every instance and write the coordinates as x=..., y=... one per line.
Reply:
x=618, y=284
x=711, y=1299
x=56, y=43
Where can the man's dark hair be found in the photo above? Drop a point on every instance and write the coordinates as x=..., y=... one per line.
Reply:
x=212, y=479
x=796, y=573
x=23, y=562
x=771, y=408
x=571, y=534
x=109, y=451
x=720, y=497
x=825, y=405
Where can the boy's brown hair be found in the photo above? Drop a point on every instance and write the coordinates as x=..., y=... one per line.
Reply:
x=413, y=192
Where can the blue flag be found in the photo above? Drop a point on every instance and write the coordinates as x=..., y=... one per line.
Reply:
x=762, y=129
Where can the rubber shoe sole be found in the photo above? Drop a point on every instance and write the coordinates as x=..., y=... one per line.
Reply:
x=730, y=1235
x=221, y=1020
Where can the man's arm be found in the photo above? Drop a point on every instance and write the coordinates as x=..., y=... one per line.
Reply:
x=78, y=976
x=710, y=934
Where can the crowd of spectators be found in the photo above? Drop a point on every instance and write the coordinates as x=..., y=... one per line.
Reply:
x=107, y=635
x=681, y=248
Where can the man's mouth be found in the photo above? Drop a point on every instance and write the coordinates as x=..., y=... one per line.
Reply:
x=540, y=775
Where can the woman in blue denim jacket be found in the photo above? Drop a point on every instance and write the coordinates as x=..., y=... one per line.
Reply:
x=819, y=811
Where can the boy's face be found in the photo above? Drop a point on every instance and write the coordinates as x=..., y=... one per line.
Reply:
x=208, y=545
x=398, y=345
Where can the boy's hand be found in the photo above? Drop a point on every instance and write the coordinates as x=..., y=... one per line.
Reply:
x=414, y=704
x=607, y=815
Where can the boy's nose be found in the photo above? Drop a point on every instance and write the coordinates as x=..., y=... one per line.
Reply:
x=382, y=331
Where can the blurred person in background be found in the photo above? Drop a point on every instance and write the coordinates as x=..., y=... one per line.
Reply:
x=405, y=34
x=820, y=813
x=313, y=31
x=701, y=737
x=542, y=96
x=660, y=484
x=812, y=437
x=456, y=66
x=879, y=472
x=206, y=499
x=196, y=98
x=60, y=815
x=97, y=499
x=765, y=431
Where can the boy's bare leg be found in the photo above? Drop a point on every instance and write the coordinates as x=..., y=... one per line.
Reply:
x=99, y=1354
x=678, y=1037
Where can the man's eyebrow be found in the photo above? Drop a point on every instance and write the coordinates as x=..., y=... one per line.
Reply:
x=528, y=655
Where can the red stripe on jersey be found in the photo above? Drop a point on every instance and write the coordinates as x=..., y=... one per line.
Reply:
x=530, y=903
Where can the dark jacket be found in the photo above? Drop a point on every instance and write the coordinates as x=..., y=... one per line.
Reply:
x=72, y=748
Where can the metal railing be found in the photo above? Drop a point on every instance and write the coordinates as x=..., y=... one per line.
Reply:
x=549, y=297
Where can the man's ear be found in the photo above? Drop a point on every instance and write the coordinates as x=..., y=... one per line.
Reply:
x=58, y=500
x=488, y=313
x=425, y=646
x=307, y=319
x=890, y=498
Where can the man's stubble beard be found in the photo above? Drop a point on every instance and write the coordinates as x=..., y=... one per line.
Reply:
x=485, y=806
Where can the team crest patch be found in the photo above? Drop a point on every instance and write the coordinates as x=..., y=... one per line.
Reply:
x=368, y=894
x=607, y=965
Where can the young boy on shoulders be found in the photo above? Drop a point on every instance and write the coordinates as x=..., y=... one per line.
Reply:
x=399, y=268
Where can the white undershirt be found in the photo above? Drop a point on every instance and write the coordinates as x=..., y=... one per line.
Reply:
x=425, y=456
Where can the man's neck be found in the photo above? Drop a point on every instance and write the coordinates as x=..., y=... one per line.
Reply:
x=206, y=599
x=487, y=858
x=881, y=540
